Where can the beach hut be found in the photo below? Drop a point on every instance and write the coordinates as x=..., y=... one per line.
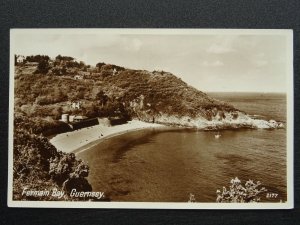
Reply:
x=65, y=118
x=71, y=118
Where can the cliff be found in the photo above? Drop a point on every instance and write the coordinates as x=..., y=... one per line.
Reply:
x=161, y=97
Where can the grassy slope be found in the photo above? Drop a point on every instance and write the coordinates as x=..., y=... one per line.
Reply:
x=47, y=95
x=165, y=92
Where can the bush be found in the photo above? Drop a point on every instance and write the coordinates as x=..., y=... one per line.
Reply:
x=38, y=165
x=69, y=173
x=37, y=58
x=238, y=193
x=43, y=67
x=43, y=100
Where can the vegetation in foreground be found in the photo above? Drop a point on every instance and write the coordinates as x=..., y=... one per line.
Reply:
x=37, y=165
x=238, y=193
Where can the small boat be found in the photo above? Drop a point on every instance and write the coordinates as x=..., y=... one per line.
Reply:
x=218, y=135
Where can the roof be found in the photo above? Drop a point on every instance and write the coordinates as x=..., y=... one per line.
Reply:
x=80, y=117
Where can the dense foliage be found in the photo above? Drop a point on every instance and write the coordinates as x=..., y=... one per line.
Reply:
x=43, y=67
x=108, y=90
x=38, y=165
x=37, y=58
x=238, y=193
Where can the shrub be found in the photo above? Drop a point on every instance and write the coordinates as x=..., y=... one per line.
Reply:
x=38, y=165
x=69, y=173
x=43, y=100
x=192, y=198
x=43, y=67
x=37, y=58
x=238, y=193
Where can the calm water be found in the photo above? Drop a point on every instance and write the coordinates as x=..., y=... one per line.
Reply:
x=166, y=166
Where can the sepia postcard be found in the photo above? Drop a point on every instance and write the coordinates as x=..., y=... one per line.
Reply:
x=151, y=118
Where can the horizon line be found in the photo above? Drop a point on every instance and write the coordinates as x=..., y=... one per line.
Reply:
x=266, y=92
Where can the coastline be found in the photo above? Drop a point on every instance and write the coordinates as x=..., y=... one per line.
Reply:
x=79, y=140
x=82, y=139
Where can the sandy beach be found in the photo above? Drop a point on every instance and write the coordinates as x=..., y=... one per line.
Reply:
x=72, y=141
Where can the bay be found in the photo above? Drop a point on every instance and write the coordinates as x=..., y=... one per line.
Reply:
x=167, y=165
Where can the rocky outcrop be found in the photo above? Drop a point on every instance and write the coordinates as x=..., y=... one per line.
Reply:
x=219, y=120
x=216, y=116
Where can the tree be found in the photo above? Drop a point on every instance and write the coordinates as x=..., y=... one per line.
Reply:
x=238, y=193
x=67, y=58
x=81, y=64
x=37, y=58
x=63, y=70
x=71, y=64
x=59, y=57
x=99, y=65
x=92, y=111
x=43, y=67
x=56, y=112
x=56, y=71
x=69, y=172
x=102, y=97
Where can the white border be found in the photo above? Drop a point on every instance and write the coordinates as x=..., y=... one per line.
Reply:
x=151, y=205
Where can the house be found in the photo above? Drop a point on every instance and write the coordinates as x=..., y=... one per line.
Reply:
x=65, y=118
x=75, y=105
x=20, y=59
x=78, y=77
x=83, y=73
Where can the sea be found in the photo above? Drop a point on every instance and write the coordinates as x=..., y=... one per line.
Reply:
x=167, y=165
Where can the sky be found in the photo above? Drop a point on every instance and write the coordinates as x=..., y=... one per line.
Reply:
x=210, y=62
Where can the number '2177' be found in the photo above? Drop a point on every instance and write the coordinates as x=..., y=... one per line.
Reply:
x=271, y=195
